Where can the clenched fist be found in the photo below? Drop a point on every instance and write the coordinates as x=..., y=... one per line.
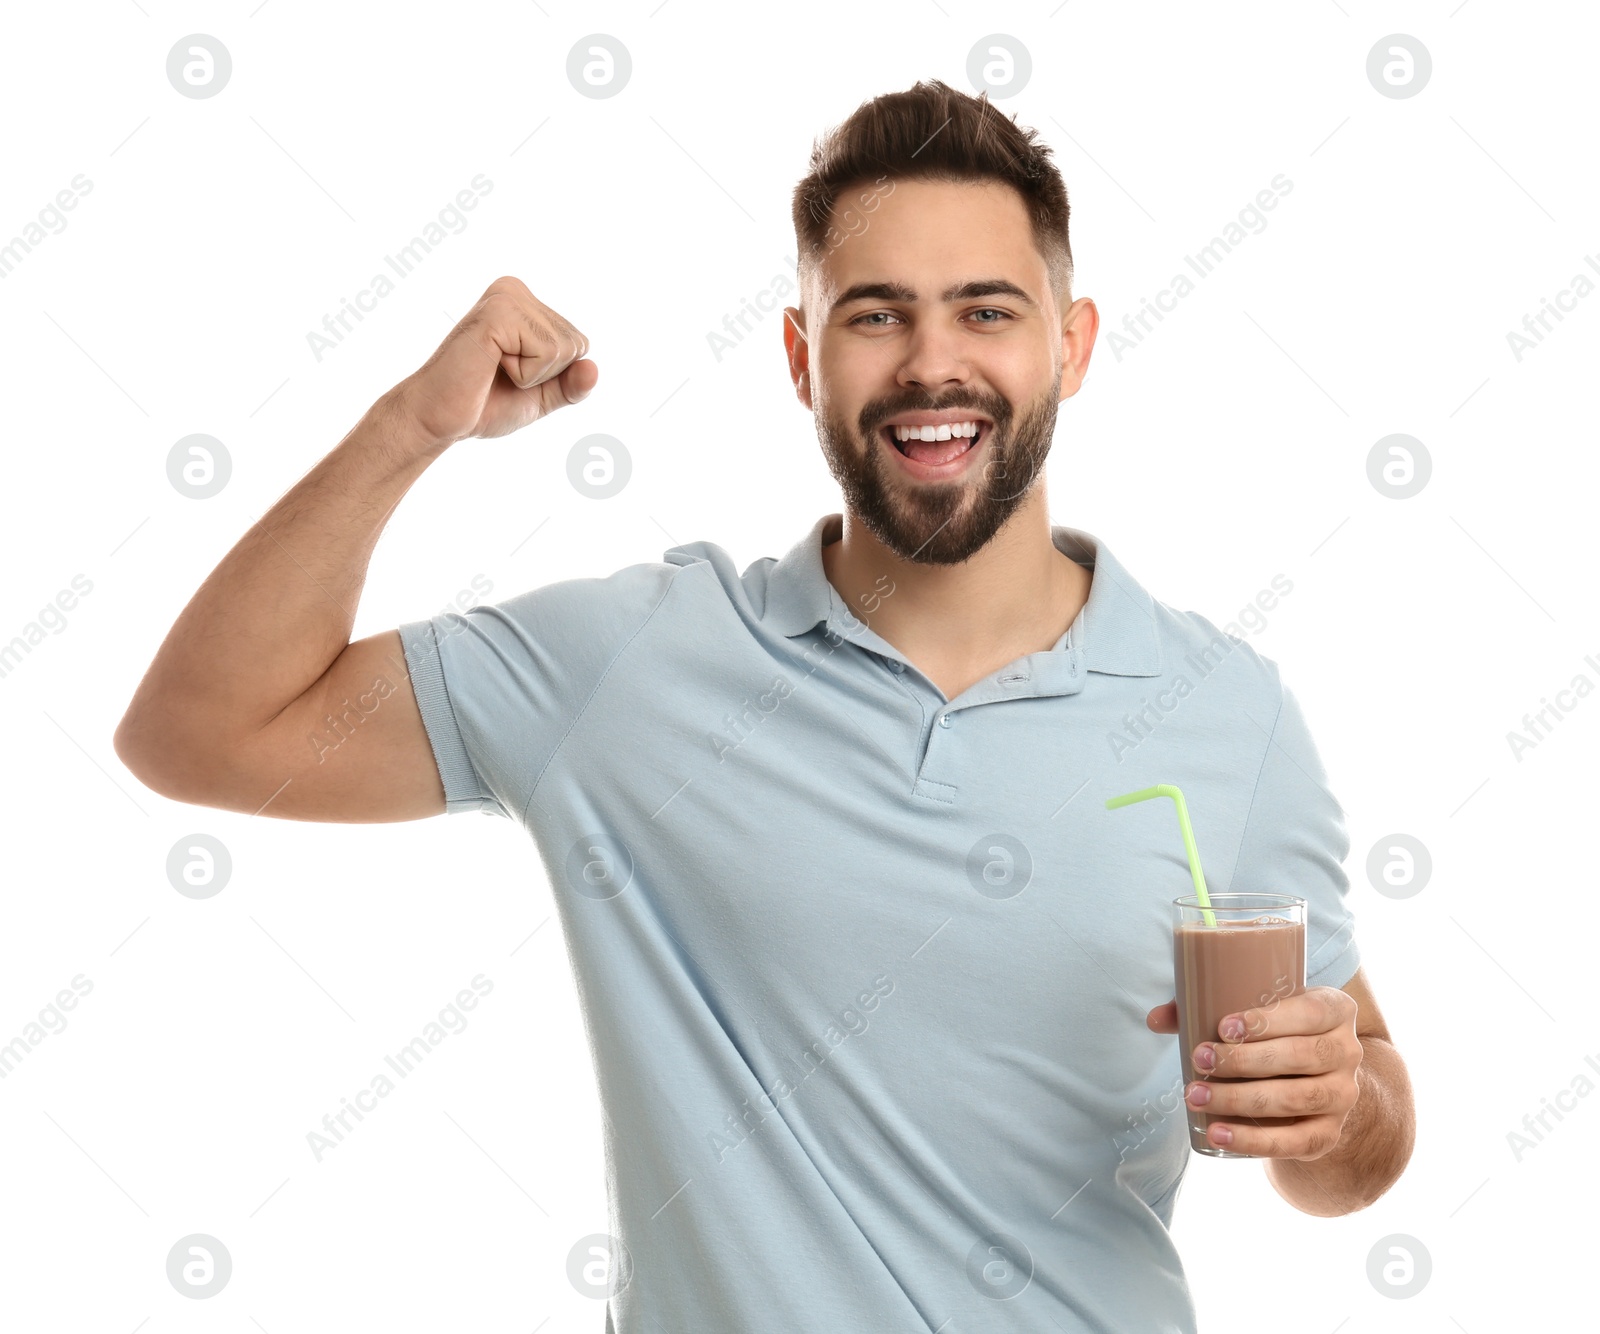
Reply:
x=510, y=361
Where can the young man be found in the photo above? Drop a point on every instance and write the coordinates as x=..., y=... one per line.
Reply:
x=866, y=965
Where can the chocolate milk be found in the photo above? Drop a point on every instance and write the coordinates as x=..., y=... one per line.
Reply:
x=1226, y=969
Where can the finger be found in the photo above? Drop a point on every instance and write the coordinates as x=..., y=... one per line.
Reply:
x=532, y=342
x=570, y=342
x=1163, y=1019
x=1308, y=1095
x=1314, y=1011
x=1305, y=1139
x=1302, y=1054
x=533, y=353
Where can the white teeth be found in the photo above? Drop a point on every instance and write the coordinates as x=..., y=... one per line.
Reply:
x=944, y=431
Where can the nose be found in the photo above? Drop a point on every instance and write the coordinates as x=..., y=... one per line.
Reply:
x=933, y=358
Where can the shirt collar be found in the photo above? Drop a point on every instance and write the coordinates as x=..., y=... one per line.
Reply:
x=1115, y=631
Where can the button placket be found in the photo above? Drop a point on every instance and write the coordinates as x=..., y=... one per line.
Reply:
x=934, y=759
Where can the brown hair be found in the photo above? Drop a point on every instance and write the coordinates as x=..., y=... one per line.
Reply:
x=931, y=132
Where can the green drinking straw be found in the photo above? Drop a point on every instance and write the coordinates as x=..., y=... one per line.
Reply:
x=1199, y=876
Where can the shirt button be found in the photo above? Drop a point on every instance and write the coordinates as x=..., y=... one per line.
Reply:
x=944, y=720
x=895, y=666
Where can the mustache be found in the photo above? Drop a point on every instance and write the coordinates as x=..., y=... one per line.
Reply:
x=877, y=412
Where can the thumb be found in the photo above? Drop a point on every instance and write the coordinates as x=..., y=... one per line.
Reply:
x=569, y=387
x=1163, y=1019
x=577, y=380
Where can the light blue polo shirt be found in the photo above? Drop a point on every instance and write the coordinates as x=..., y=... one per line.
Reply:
x=864, y=971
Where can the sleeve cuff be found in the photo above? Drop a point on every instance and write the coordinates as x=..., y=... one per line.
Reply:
x=1337, y=961
x=463, y=791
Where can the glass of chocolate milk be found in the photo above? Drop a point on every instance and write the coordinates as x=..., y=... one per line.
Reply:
x=1251, y=958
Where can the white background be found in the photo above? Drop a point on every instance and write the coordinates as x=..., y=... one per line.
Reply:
x=1228, y=447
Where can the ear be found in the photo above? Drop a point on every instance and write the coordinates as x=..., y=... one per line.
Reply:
x=1079, y=325
x=799, y=352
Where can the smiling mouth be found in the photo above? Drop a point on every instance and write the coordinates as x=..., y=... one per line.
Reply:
x=934, y=452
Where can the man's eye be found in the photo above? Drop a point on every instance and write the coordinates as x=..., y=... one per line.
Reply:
x=881, y=319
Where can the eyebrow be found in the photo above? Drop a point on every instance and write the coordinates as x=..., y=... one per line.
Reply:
x=896, y=291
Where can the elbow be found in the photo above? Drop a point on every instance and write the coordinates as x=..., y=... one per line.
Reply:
x=154, y=758
x=125, y=742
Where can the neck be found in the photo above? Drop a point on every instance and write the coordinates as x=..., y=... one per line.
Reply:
x=1017, y=595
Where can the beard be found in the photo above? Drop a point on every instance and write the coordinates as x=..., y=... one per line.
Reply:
x=948, y=521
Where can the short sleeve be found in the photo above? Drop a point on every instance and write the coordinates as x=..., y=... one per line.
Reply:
x=1295, y=842
x=500, y=686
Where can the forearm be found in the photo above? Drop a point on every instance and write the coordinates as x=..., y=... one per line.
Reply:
x=279, y=608
x=1374, y=1145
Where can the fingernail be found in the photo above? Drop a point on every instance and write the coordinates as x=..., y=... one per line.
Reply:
x=1222, y=1136
x=1205, y=1058
x=1232, y=1028
x=1199, y=1094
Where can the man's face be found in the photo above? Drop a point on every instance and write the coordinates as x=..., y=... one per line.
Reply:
x=938, y=311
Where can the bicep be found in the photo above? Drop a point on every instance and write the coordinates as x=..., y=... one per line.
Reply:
x=1369, y=1019
x=351, y=749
